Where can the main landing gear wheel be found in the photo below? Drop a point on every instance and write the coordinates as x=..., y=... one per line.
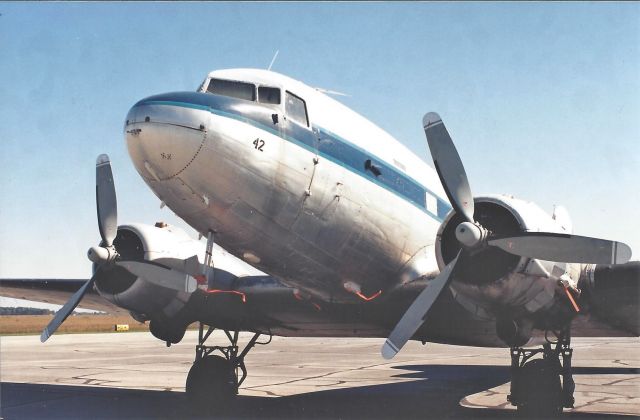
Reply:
x=540, y=382
x=536, y=389
x=212, y=384
x=213, y=380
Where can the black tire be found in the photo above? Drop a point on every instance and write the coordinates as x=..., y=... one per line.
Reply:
x=212, y=385
x=539, y=390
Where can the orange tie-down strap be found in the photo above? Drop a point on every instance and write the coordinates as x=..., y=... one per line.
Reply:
x=571, y=299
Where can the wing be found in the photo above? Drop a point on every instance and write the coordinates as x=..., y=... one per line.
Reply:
x=55, y=291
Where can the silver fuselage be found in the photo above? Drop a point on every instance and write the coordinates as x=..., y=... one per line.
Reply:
x=273, y=197
x=335, y=210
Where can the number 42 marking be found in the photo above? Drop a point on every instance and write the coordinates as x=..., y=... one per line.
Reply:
x=258, y=144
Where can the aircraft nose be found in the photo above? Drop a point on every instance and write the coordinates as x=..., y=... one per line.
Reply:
x=164, y=135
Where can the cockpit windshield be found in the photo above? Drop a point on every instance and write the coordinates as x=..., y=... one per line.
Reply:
x=240, y=90
x=268, y=95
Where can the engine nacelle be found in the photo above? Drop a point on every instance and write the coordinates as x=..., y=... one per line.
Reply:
x=614, y=295
x=492, y=283
x=162, y=243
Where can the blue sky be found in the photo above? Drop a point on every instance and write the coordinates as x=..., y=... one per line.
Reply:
x=542, y=99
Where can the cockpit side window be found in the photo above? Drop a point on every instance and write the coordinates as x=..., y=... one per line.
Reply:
x=296, y=109
x=268, y=95
x=240, y=90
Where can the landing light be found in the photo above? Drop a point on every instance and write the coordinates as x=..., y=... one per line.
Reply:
x=251, y=258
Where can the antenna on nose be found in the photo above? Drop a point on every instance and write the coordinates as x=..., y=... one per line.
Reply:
x=273, y=60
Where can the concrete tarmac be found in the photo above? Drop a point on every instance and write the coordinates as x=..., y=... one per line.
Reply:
x=133, y=375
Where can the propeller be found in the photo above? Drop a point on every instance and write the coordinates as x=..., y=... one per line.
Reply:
x=472, y=236
x=106, y=203
x=564, y=248
x=106, y=255
x=448, y=165
x=108, y=225
x=66, y=310
x=417, y=312
x=161, y=275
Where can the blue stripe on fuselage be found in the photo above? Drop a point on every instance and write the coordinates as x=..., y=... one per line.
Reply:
x=326, y=144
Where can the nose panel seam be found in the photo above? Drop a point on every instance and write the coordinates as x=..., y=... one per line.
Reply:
x=169, y=123
x=204, y=138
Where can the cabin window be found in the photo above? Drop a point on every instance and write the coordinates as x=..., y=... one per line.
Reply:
x=443, y=209
x=431, y=203
x=268, y=95
x=240, y=90
x=296, y=109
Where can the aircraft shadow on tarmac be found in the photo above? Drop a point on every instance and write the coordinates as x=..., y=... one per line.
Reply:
x=435, y=393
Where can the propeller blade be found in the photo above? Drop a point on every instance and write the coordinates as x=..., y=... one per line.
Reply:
x=66, y=310
x=417, y=312
x=564, y=248
x=106, y=201
x=161, y=275
x=448, y=165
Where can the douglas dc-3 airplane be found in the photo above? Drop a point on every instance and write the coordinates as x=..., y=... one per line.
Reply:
x=359, y=238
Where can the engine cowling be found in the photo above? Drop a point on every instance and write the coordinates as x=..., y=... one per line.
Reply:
x=494, y=284
x=163, y=244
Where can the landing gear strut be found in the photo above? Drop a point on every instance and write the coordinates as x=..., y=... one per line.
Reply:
x=213, y=381
x=536, y=389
